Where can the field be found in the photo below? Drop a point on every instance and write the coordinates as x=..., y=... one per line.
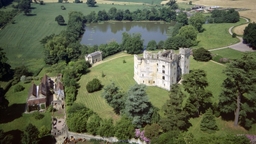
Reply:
x=228, y=53
x=122, y=75
x=21, y=41
x=217, y=35
x=239, y=30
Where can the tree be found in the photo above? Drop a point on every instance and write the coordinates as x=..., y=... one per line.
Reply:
x=133, y=44
x=160, y=45
x=114, y=97
x=5, y=68
x=197, y=20
x=171, y=137
x=151, y=45
x=60, y=20
x=202, y=54
x=91, y=3
x=172, y=4
x=176, y=29
x=199, y=98
x=106, y=128
x=112, y=12
x=93, y=85
x=182, y=18
x=30, y=135
x=177, y=42
x=124, y=128
x=24, y=5
x=175, y=117
x=249, y=36
x=138, y=107
x=152, y=131
x=93, y=124
x=238, y=94
x=189, y=32
x=208, y=123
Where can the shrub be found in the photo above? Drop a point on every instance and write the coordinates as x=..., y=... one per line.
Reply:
x=102, y=74
x=124, y=61
x=233, y=35
x=18, y=88
x=38, y=115
x=93, y=85
x=202, y=54
x=42, y=106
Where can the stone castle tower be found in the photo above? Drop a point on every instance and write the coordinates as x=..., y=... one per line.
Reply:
x=161, y=69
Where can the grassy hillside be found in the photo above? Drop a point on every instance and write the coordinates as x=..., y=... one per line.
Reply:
x=21, y=40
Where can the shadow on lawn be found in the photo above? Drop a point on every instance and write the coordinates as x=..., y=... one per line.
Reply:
x=12, y=112
x=16, y=136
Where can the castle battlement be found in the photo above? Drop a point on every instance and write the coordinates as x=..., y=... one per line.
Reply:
x=161, y=69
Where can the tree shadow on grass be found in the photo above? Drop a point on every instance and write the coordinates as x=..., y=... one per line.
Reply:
x=31, y=15
x=47, y=140
x=16, y=136
x=12, y=112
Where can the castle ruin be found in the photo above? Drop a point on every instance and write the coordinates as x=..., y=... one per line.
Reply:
x=161, y=69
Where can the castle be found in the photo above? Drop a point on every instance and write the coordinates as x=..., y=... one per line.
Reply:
x=161, y=69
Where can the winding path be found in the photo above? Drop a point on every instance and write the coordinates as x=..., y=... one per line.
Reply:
x=238, y=46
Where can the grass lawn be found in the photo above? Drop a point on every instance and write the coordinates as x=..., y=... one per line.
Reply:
x=141, y=1
x=217, y=35
x=229, y=53
x=21, y=41
x=14, y=119
x=122, y=75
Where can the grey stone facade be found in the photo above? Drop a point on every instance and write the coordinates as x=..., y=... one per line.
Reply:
x=94, y=57
x=161, y=69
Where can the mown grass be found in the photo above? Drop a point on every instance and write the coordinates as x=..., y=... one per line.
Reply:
x=122, y=75
x=229, y=53
x=217, y=35
x=14, y=117
x=21, y=41
x=141, y=1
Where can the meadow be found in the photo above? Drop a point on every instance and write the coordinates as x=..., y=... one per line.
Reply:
x=217, y=35
x=21, y=41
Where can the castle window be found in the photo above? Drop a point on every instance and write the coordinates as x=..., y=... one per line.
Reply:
x=163, y=71
x=163, y=77
x=143, y=81
x=156, y=69
x=143, y=75
x=163, y=66
x=157, y=64
x=153, y=81
x=148, y=81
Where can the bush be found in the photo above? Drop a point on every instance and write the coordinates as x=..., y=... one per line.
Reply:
x=202, y=54
x=18, y=88
x=38, y=115
x=93, y=85
x=42, y=106
x=233, y=35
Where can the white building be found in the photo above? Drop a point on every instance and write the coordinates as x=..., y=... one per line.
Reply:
x=94, y=57
x=161, y=69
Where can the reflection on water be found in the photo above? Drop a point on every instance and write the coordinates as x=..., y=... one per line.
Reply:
x=109, y=31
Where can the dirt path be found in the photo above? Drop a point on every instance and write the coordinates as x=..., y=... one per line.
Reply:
x=101, y=62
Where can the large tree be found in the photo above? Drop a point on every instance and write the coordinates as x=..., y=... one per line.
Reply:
x=202, y=54
x=195, y=84
x=175, y=117
x=30, y=135
x=24, y=5
x=114, y=97
x=250, y=34
x=238, y=94
x=93, y=124
x=197, y=20
x=138, y=107
x=151, y=45
x=133, y=44
x=4, y=66
x=106, y=128
x=182, y=18
x=124, y=128
x=91, y=3
x=208, y=123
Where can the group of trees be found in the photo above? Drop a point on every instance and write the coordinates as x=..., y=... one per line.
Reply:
x=25, y=6
x=249, y=36
x=65, y=46
x=5, y=68
x=6, y=16
x=82, y=119
x=165, y=14
x=134, y=104
x=224, y=16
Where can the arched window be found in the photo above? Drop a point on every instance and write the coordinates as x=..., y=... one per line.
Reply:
x=163, y=77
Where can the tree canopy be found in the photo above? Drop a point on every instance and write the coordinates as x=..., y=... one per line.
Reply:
x=5, y=68
x=249, y=36
x=202, y=54
x=138, y=107
x=225, y=16
x=30, y=135
x=60, y=20
x=151, y=45
x=197, y=20
x=133, y=44
x=238, y=94
x=91, y=3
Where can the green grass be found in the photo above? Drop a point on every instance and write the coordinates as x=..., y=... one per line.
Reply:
x=217, y=35
x=20, y=41
x=15, y=118
x=229, y=53
x=122, y=75
x=141, y=1
x=215, y=75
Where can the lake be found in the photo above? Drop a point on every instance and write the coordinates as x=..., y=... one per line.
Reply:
x=96, y=34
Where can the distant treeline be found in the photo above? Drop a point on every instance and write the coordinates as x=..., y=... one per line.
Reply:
x=224, y=16
x=164, y=14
